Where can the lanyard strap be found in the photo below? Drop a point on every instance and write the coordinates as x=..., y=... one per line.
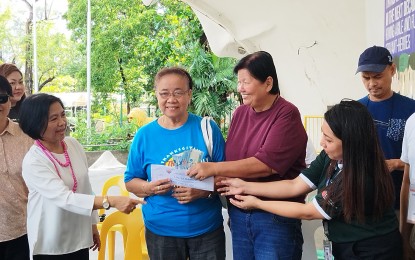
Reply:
x=328, y=182
x=326, y=228
x=337, y=171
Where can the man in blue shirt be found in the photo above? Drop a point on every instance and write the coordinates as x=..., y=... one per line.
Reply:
x=389, y=110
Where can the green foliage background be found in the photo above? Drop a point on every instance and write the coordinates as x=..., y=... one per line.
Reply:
x=130, y=44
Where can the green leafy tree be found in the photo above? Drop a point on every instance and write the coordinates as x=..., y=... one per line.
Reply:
x=60, y=84
x=131, y=42
x=12, y=40
x=45, y=13
x=215, y=86
x=56, y=54
x=4, y=36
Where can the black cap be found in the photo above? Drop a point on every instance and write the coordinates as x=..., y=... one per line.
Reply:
x=374, y=59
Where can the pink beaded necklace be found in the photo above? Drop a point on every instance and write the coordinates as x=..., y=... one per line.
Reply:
x=66, y=164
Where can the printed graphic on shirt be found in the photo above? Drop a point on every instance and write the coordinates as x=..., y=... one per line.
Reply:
x=396, y=129
x=327, y=204
x=325, y=196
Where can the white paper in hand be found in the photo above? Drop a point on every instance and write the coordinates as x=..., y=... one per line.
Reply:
x=178, y=177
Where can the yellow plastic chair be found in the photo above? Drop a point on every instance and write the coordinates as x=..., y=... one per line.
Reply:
x=118, y=181
x=312, y=125
x=114, y=181
x=134, y=226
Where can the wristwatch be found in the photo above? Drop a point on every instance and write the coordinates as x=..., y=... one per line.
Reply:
x=106, y=203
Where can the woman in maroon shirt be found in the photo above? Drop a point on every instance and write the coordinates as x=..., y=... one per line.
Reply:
x=266, y=142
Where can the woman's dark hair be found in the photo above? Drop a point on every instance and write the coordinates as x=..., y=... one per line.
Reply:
x=5, y=70
x=363, y=162
x=34, y=114
x=5, y=86
x=173, y=70
x=261, y=66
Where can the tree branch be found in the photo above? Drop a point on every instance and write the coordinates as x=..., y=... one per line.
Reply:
x=46, y=82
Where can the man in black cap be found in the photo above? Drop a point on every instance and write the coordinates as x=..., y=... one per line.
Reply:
x=389, y=110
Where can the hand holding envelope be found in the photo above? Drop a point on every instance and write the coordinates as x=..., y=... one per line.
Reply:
x=179, y=178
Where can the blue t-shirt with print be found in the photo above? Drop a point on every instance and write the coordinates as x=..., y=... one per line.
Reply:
x=390, y=117
x=163, y=215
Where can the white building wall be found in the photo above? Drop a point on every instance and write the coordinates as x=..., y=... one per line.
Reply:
x=310, y=77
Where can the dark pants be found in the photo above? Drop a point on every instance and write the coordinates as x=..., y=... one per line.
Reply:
x=386, y=247
x=82, y=254
x=16, y=249
x=207, y=246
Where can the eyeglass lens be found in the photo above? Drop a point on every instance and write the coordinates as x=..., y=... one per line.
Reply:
x=176, y=94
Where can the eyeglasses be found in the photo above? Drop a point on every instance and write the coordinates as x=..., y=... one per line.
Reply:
x=175, y=94
x=4, y=98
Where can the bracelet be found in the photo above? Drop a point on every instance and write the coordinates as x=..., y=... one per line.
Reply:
x=210, y=195
x=142, y=187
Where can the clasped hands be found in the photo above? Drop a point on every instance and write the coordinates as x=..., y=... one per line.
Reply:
x=227, y=186
x=236, y=188
x=182, y=194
